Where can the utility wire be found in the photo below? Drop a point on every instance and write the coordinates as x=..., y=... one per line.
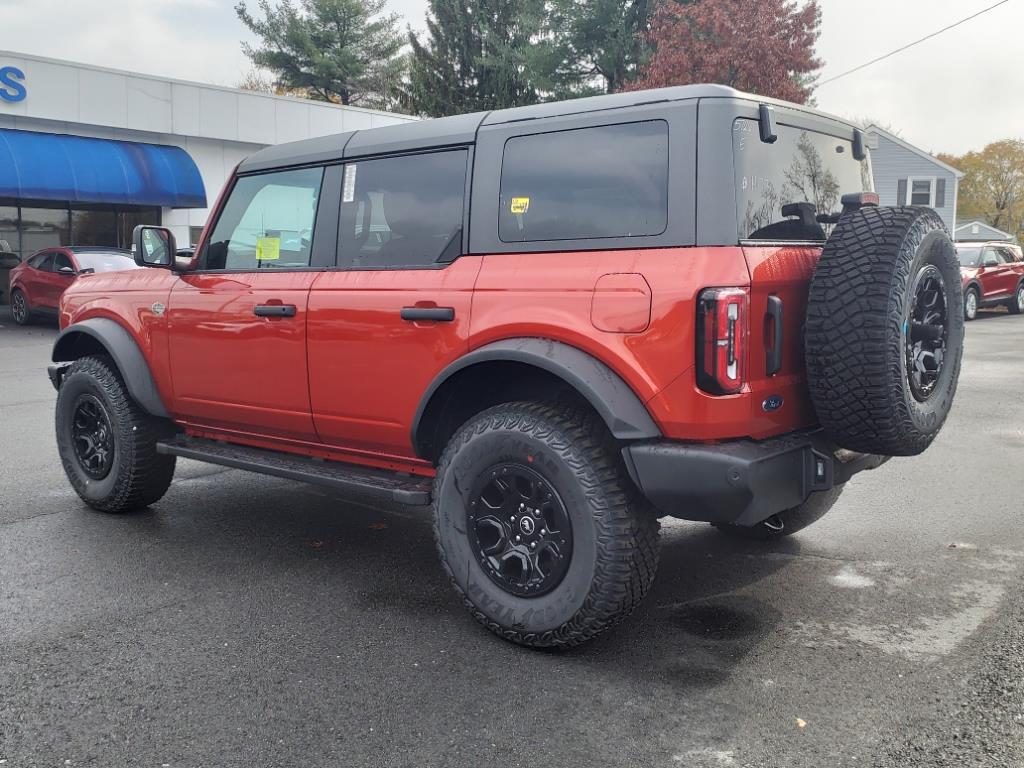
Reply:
x=911, y=45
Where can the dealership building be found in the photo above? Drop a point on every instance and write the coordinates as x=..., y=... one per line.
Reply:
x=87, y=153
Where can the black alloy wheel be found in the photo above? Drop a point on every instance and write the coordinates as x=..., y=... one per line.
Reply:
x=519, y=530
x=927, y=332
x=19, y=308
x=92, y=437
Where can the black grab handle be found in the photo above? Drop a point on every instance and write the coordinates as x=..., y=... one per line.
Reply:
x=437, y=314
x=774, y=356
x=274, y=310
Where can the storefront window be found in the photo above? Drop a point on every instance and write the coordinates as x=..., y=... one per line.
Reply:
x=44, y=228
x=10, y=240
x=127, y=221
x=94, y=227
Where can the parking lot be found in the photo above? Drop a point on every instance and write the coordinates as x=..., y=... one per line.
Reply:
x=250, y=621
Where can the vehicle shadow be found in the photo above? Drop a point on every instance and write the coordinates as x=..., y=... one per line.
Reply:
x=697, y=623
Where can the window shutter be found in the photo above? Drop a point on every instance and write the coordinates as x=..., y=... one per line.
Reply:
x=901, y=192
x=940, y=193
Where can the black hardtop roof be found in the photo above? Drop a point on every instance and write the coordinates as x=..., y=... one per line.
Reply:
x=462, y=129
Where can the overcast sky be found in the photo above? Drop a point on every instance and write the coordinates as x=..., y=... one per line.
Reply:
x=954, y=93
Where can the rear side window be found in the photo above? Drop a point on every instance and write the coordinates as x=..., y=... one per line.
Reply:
x=267, y=222
x=782, y=188
x=403, y=212
x=588, y=183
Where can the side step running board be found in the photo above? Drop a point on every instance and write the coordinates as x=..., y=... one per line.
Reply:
x=403, y=489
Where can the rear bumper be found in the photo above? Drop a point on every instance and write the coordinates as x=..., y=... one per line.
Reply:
x=742, y=481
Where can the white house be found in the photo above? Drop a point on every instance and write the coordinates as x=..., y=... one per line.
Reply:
x=906, y=175
x=980, y=232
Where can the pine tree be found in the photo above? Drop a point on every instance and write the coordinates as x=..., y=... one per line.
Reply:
x=474, y=57
x=345, y=51
x=592, y=46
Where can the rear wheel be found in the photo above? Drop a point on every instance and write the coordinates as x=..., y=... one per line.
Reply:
x=107, y=443
x=970, y=304
x=1016, y=304
x=538, y=526
x=788, y=521
x=19, y=308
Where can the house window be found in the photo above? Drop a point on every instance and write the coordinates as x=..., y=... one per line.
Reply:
x=922, y=192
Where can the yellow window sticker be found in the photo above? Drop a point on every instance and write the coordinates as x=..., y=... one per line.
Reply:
x=268, y=248
x=520, y=204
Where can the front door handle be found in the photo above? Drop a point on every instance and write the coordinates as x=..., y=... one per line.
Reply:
x=274, y=310
x=436, y=314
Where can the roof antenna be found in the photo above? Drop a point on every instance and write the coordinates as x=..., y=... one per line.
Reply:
x=766, y=118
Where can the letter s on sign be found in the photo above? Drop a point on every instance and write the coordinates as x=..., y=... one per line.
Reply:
x=11, y=87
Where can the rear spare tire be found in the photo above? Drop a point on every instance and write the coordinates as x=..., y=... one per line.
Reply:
x=885, y=328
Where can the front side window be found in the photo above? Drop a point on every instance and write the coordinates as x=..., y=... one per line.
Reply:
x=991, y=258
x=969, y=256
x=783, y=188
x=601, y=182
x=267, y=222
x=62, y=262
x=402, y=212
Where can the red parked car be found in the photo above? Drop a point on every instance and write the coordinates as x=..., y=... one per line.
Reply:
x=38, y=282
x=993, y=274
x=554, y=324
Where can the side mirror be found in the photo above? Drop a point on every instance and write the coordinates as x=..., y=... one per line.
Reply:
x=66, y=271
x=153, y=246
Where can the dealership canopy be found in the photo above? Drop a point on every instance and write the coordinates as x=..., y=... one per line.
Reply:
x=49, y=166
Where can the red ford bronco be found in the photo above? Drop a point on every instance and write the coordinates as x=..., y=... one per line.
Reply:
x=554, y=324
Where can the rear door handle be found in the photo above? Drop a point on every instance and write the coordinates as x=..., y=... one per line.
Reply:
x=773, y=357
x=274, y=310
x=437, y=314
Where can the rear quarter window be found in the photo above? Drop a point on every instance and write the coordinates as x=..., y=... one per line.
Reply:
x=586, y=183
x=782, y=187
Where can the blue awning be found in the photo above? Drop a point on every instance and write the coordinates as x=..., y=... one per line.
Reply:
x=51, y=166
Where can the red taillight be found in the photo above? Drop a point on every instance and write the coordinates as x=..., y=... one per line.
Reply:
x=722, y=335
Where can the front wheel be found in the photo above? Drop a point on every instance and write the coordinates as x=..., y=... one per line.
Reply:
x=107, y=443
x=788, y=521
x=539, y=527
x=1016, y=304
x=970, y=304
x=19, y=308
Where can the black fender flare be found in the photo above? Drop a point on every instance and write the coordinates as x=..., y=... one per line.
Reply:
x=126, y=354
x=613, y=399
x=977, y=289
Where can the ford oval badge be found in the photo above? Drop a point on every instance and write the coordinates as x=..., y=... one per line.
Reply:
x=772, y=403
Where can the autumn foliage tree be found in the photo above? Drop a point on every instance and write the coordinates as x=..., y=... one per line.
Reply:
x=761, y=46
x=992, y=188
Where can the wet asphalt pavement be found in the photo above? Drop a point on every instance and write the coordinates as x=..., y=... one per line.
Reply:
x=249, y=621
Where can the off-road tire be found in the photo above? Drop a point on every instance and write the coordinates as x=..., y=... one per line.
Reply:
x=615, y=531
x=1016, y=304
x=970, y=314
x=789, y=521
x=21, y=312
x=139, y=476
x=856, y=337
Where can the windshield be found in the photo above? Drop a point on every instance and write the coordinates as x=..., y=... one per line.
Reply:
x=782, y=188
x=105, y=261
x=969, y=257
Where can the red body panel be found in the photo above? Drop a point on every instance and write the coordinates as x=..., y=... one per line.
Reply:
x=342, y=378
x=235, y=370
x=368, y=367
